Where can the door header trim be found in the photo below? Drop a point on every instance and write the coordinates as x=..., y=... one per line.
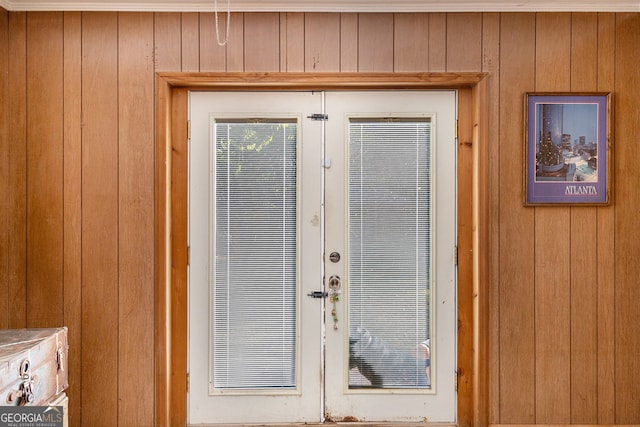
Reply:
x=320, y=81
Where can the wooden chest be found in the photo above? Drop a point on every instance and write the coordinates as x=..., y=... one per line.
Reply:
x=33, y=365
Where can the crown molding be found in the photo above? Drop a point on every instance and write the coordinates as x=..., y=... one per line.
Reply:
x=328, y=6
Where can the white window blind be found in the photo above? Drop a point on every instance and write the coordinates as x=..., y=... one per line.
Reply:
x=253, y=294
x=389, y=292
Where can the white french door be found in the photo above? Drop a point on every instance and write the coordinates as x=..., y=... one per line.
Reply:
x=322, y=236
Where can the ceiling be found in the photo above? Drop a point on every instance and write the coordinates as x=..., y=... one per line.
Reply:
x=328, y=5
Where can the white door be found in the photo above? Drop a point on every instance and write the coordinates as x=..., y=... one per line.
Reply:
x=390, y=213
x=322, y=270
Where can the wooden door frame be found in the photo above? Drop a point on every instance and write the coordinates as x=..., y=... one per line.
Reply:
x=171, y=252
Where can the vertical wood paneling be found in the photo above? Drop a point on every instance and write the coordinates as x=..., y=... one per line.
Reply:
x=583, y=360
x=584, y=243
x=566, y=353
x=292, y=41
x=348, y=42
x=44, y=170
x=17, y=172
x=411, y=42
x=584, y=52
x=464, y=41
x=553, y=246
x=606, y=243
x=437, y=42
x=167, y=42
x=627, y=195
x=491, y=65
x=135, y=217
x=212, y=55
x=375, y=42
x=72, y=251
x=516, y=286
x=190, y=34
x=235, y=47
x=322, y=42
x=99, y=217
x=5, y=191
x=262, y=42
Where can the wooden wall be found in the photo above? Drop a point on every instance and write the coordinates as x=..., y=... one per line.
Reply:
x=77, y=189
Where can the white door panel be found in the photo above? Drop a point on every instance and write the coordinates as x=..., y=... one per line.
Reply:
x=243, y=402
x=390, y=171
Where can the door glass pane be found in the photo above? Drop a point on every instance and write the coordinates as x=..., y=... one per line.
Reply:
x=389, y=286
x=253, y=294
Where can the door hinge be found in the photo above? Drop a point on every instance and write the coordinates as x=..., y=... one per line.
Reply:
x=319, y=116
x=188, y=381
x=455, y=255
x=456, y=129
x=188, y=129
x=188, y=255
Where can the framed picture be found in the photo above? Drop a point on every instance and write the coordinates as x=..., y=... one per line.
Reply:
x=567, y=149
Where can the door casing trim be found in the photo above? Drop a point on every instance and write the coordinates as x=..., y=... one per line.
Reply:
x=172, y=255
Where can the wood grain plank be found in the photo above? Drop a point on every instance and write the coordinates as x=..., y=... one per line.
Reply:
x=627, y=244
x=375, y=42
x=322, y=42
x=516, y=253
x=162, y=301
x=464, y=41
x=99, y=216
x=491, y=218
x=437, y=42
x=212, y=55
x=72, y=208
x=167, y=41
x=553, y=245
x=348, y=42
x=17, y=172
x=235, y=49
x=606, y=243
x=584, y=310
x=5, y=190
x=584, y=244
x=262, y=42
x=135, y=214
x=44, y=170
x=584, y=52
x=553, y=51
x=482, y=250
x=411, y=42
x=465, y=259
x=179, y=260
x=292, y=41
x=190, y=41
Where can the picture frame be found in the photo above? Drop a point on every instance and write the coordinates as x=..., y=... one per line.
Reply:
x=567, y=154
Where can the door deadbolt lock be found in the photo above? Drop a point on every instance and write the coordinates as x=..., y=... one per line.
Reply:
x=335, y=283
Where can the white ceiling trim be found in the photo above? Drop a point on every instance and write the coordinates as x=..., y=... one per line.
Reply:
x=329, y=6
